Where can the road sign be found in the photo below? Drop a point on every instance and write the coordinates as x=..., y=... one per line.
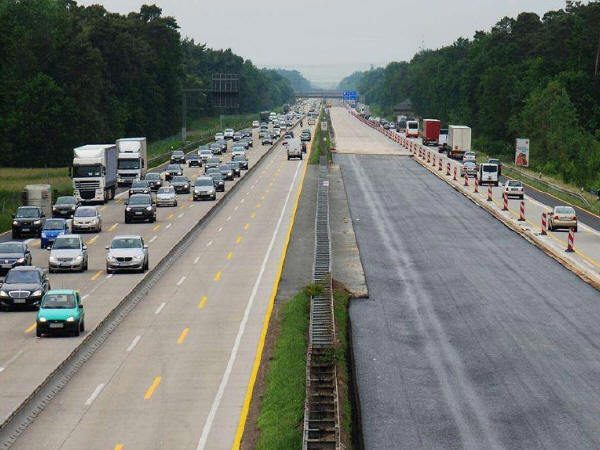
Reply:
x=349, y=95
x=522, y=152
x=323, y=126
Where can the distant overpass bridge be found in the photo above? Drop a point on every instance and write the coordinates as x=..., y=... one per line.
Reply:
x=320, y=94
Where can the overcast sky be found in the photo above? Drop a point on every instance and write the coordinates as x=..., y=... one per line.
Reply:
x=328, y=39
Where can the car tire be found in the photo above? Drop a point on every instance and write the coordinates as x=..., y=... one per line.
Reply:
x=82, y=326
x=109, y=271
x=127, y=220
x=77, y=331
x=38, y=331
x=15, y=235
x=85, y=268
x=50, y=270
x=575, y=229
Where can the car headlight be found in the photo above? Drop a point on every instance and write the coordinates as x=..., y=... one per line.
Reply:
x=145, y=191
x=52, y=259
x=78, y=258
x=130, y=191
x=148, y=208
x=185, y=186
x=43, y=234
x=73, y=207
x=54, y=208
x=21, y=260
x=37, y=293
x=138, y=257
x=128, y=209
x=110, y=258
x=196, y=191
x=37, y=222
x=41, y=319
x=71, y=319
x=3, y=294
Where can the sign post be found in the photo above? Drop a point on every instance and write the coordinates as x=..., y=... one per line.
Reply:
x=522, y=152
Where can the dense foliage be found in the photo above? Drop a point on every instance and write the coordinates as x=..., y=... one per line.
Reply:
x=71, y=75
x=298, y=82
x=527, y=77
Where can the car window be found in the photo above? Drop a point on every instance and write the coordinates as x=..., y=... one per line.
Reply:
x=27, y=213
x=179, y=179
x=139, y=184
x=11, y=247
x=22, y=276
x=203, y=182
x=132, y=242
x=67, y=243
x=490, y=168
x=65, y=201
x=166, y=190
x=54, y=224
x=173, y=167
x=58, y=301
x=514, y=183
x=152, y=176
x=564, y=210
x=139, y=200
x=85, y=212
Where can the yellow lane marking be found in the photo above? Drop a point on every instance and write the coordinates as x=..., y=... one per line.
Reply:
x=103, y=208
x=238, y=240
x=113, y=227
x=92, y=240
x=218, y=276
x=118, y=447
x=229, y=255
x=170, y=216
x=202, y=302
x=182, y=206
x=96, y=275
x=183, y=335
x=246, y=226
x=271, y=184
x=263, y=197
x=30, y=328
x=253, y=215
x=35, y=244
x=258, y=205
x=156, y=227
x=152, y=388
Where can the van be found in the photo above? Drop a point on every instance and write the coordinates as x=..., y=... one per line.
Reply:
x=412, y=128
x=488, y=174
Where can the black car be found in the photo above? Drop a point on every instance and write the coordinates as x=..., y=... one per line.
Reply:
x=23, y=286
x=289, y=134
x=154, y=181
x=139, y=187
x=28, y=221
x=227, y=171
x=64, y=207
x=247, y=133
x=268, y=139
x=140, y=207
x=178, y=157
x=194, y=160
x=13, y=254
x=305, y=136
x=181, y=184
x=216, y=149
x=212, y=163
x=218, y=180
x=223, y=144
x=242, y=160
x=173, y=170
x=237, y=170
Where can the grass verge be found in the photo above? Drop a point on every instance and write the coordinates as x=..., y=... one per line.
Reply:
x=321, y=147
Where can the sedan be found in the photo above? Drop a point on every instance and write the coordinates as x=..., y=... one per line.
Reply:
x=166, y=196
x=127, y=253
x=61, y=311
x=469, y=156
x=212, y=163
x=181, y=185
x=69, y=253
x=226, y=171
x=562, y=217
x=178, y=157
x=219, y=136
x=65, y=207
x=470, y=168
x=13, y=254
x=255, y=124
x=204, y=188
x=139, y=187
x=194, y=160
x=87, y=218
x=52, y=229
x=216, y=149
x=267, y=140
x=173, y=170
x=154, y=181
x=237, y=170
x=242, y=160
x=218, y=181
x=223, y=144
x=514, y=188
x=140, y=207
x=23, y=286
x=237, y=135
x=205, y=154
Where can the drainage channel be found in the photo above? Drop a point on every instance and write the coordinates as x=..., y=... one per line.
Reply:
x=321, y=417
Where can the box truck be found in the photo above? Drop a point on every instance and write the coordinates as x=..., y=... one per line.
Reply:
x=132, y=159
x=94, y=172
x=459, y=140
x=431, y=131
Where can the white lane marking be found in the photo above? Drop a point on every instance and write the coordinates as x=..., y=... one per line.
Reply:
x=236, y=208
x=180, y=215
x=228, y=219
x=242, y=200
x=95, y=394
x=248, y=193
x=152, y=240
x=133, y=343
x=232, y=357
x=159, y=309
x=209, y=243
x=192, y=205
x=196, y=260
x=168, y=226
x=11, y=360
x=181, y=280
x=220, y=229
x=109, y=276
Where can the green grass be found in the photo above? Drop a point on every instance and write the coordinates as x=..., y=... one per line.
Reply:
x=282, y=409
x=321, y=147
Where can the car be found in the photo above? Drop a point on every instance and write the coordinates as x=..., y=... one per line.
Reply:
x=242, y=160
x=216, y=149
x=140, y=207
x=86, y=218
x=13, y=254
x=498, y=163
x=312, y=121
x=68, y=253
x=23, y=286
x=177, y=157
x=264, y=125
x=212, y=163
x=65, y=207
x=139, y=187
x=52, y=229
x=204, y=188
x=305, y=136
x=237, y=170
x=181, y=184
x=61, y=311
x=248, y=141
x=166, y=196
x=255, y=124
x=562, y=217
x=219, y=136
x=267, y=140
x=227, y=171
x=173, y=170
x=28, y=221
x=469, y=156
x=237, y=136
x=276, y=132
x=218, y=181
x=127, y=252
x=488, y=174
x=229, y=133
x=194, y=160
x=294, y=149
x=470, y=168
x=154, y=181
x=237, y=149
x=288, y=135
x=514, y=188
x=202, y=148
x=263, y=133
x=246, y=133
x=205, y=154
x=223, y=144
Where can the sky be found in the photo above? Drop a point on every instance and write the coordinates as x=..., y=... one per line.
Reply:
x=329, y=39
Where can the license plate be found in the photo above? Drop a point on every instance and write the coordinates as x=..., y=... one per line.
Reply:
x=138, y=213
x=7, y=266
x=19, y=300
x=56, y=325
x=25, y=229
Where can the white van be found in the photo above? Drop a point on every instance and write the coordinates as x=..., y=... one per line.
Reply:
x=488, y=174
x=412, y=128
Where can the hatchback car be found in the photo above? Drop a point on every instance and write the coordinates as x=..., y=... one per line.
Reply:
x=242, y=160
x=235, y=166
x=68, y=253
x=205, y=154
x=127, y=252
x=173, y=170
x=514, y=188
x=23, y=286
x=13, y=254
x=305, y=136
x=237, y=136
x=61, y=311
x=177, y=157
x=65, y=207
x=28, y=221
x=223, y=144
x=87, y=218
x=154, y=180
x=229, y=133
x=194, y=160
x=140, y=207
x=139, y=187
x=212, y=163
x=219, y=136
x=181, y=184
x=52, y=229
x=166, y=196
x=562, y=217
x=204, y=188
x=218, y=181
x=227, y=171
x=216, y=149
x=255, y=124
x=267, y=140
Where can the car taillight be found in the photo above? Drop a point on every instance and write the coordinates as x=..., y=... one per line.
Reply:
x=574, y=218
x=555, y=217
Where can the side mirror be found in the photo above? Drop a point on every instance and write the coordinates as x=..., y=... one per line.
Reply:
x=81, y=306
x=84, y=247
x=106, y=248
x=145, y=245
x=48, y=248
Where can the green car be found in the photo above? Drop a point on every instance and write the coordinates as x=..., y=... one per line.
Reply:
x=60, y=311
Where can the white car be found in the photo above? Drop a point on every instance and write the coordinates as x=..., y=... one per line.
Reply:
x=238, y=152
x=255, y=124
x=166, y=196
x=562, y=217
x=219, y=137
x=229, y=132
x=469, y=156
x=205, y=154
x=514, y=188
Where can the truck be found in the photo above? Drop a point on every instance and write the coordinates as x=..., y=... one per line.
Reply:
x=264, y=116
x=132, y=159
x=94, y=172
x=294, y=149
x=401, y=124
x=459, y=140
x=412, y=128
x=431, y=131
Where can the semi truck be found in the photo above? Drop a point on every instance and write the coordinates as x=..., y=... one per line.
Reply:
x=264, y=116
x=94, y=172
x=132, y=159
x=431, y=131
x=459, y=140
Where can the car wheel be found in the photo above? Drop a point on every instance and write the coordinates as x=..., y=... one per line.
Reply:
x=50, y=270
x=82, y=325
x=575, y=229
x=108, y=270
x=175, y=203
x=77, y=331
x=15, y=235
x=38, y=331
x=126, y=220
x=85, y=268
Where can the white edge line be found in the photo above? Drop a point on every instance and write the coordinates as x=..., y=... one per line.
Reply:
x=133, y=343
x=11, y=360
x=95, y=394
x=209, y=243
x=181, y=280
x=196, y=260
x=159, y=309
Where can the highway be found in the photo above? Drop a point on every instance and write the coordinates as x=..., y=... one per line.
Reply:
x=210, y=303
x=472, y=337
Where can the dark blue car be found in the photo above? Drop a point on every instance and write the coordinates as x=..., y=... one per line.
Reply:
x=52, y=229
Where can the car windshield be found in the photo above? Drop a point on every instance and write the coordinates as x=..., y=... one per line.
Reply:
x=85, y=212
x=54, y=224
x=132, y=242
x=128, y=164
x=179, y=180
x=214, y=160
x=178, y=153
x=490, y=168
x=58, y=301
x=22, y=276
x=139, y=184
x=239, y=158
x=413, y=126
x=27, y=212
x=469, y=164
x=65, y=201
x=67, y=243
x=139, y=200
x=216, y=176
x=204, y=182
x=10, y=247
x=173, y=167
x=87, y=171
x=166, y=190
x=514, y=184
x=564, y=210
x=205, y=152
x=192, y=156
x=152, y=176
x=494, y=161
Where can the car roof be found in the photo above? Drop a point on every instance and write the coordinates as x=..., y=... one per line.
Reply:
x=141, y=195
x=87, y=207
x=127, y=236
x=28, y=207
x=62, y=291
x=26, y=268
x=71, y=235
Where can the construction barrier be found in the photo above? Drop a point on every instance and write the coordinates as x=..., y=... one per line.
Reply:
x=476, y=190
x=522, y=211
x=571, y=240
x=489, y=193
x=466, y=178
x=447, y=169
x=455, y=172
x=544, y=224
x=505, y=207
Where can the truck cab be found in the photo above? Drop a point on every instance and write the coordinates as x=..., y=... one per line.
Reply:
x=132, y=162
x=94, y=172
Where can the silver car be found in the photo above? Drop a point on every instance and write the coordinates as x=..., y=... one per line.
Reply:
x=470, y=168
x=127, y=252
x=205, y=154
x=68, y=253
x=204, y=187
x=166, y=196
x=86, y=218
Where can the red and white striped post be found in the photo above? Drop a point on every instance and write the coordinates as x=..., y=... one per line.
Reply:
x=428, y=157
x=466, y=178
x=455, y=172
x=522, y=211
x=434, y=156
x=440, y=168
x=447, y=169
x=544, y=224
x=571, y=240
x=476, y=190
x=505, y=207
x=489, y=194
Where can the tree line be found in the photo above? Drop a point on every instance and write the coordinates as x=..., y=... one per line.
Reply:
x=71, y=75
x=527, y=77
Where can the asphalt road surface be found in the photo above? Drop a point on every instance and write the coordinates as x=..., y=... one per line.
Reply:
x=472, y=337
